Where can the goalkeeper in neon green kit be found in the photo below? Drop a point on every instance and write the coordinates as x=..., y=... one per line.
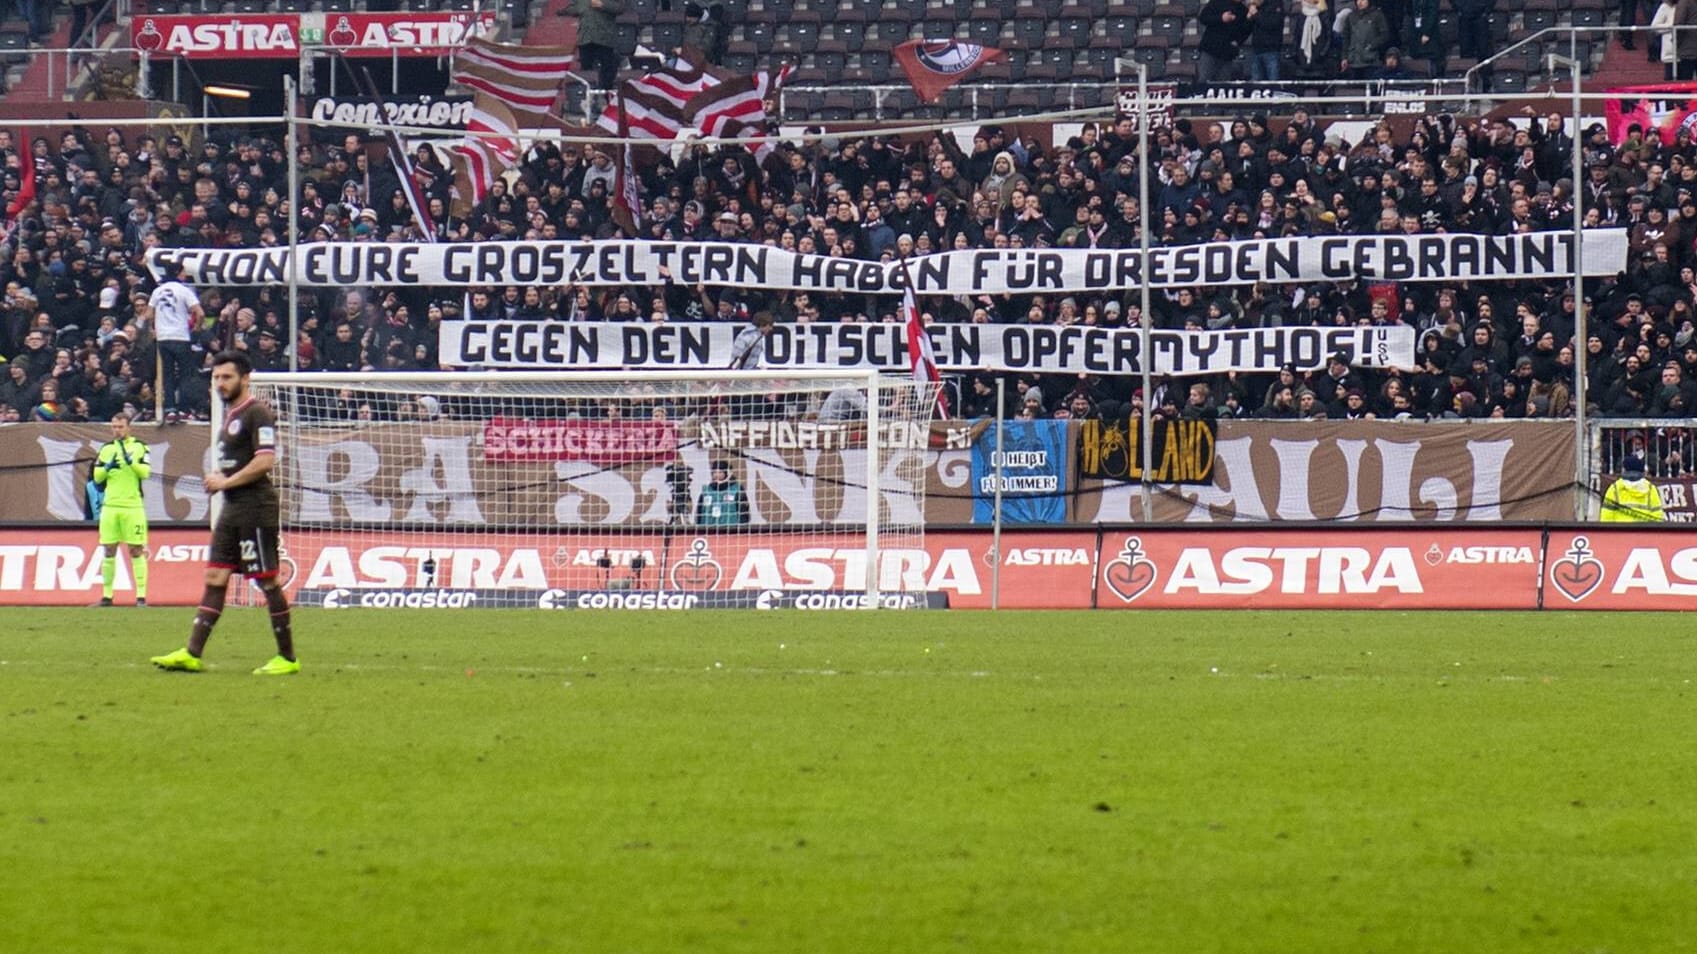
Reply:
x=119, y=470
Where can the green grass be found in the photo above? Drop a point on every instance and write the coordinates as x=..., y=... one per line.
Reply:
x=512, y=781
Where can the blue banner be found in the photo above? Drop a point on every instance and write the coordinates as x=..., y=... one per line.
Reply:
x=1033, y=472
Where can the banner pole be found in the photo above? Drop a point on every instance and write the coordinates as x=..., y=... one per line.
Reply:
x=996, y=509
x=874, y=495
x=1146, y=355
x=291, y=108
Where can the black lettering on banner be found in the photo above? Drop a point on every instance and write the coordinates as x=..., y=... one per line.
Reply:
x=964, y=348
x=1433, y=249
x=1283, y=261
x=1464, y=256
x=1234, y=340
x=1269, y=349
x=456, y=264
x=1203, y=348
x=1399, y=265
x=1499, y=254
x=1126, y=350
x=932, y=273
x=1540, y=251
x=1218, y=267
x=751, y=265
x=1168, y=353
x=1342, y=341
x=1016, y=348
x=473, y=342
x=1306, y=347
x=636, y=347
x=1334, y=259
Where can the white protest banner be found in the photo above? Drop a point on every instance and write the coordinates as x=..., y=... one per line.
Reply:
x=986, y=271
x=561, y=345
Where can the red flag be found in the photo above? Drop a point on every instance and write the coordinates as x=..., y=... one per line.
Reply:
x=920, y=353
x=935, y=65
x=26, y=179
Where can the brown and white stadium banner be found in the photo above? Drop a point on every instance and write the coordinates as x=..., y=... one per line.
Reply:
x=1264, y=471
x=1364, y=471
x=1413, y=258
x=557, y=345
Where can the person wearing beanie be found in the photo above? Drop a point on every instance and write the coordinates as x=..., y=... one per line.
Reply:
x=1632, y=498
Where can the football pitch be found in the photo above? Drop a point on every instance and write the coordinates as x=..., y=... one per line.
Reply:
x=723, y=781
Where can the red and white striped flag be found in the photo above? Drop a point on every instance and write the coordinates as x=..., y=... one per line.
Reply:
x=480, y=159
x=920, y=353
x=736, y=109
x=652, y=106
x=526, y=78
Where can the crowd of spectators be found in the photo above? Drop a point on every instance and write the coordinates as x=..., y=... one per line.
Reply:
x=77, y=342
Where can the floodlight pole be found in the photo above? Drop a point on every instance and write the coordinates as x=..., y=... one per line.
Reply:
x=1145, y=353
x=1581, y=338
x=290, y=108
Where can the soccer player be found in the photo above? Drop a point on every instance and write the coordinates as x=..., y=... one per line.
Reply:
x=118, y=471
x=245, y=536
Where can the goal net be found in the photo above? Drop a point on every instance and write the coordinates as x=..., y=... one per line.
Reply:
x=639, y=490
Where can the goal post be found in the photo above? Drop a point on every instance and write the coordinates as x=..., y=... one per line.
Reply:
x=624, y=490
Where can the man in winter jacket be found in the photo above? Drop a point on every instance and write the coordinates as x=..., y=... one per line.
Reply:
x=1365, y=35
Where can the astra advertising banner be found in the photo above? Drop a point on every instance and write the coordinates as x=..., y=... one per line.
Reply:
x=284, y=35
x=1437, y=566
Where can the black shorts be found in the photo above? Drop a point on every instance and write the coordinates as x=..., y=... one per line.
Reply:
x=247, y=549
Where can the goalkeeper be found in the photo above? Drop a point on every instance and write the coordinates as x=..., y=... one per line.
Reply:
x=120, y=468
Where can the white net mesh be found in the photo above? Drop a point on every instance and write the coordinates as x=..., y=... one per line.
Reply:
x=590, y=491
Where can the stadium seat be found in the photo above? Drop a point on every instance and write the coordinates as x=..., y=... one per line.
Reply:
x=954, y=11
x=1045, y=72
x=336, y=6
x=761, y=33
x=1169, y=28
x=985, y=32
x=857, y=11
x=1535, y=21
x=1141, y=9
x=876, y=61
x=796, y=39
x=246, y=7
x=743, y=63
x=1589, y=17
x=625, y=42
x=882, y=34
x=802, y=105
x=1023, y=100
x=1029, y=30
x=1074, y=32
x=906, y=11
x=851, y=35
x=293, y=6
x=831, y=62
x=1150, y=51
x=1508, y=81
x=1121, y=28
x=667, y=36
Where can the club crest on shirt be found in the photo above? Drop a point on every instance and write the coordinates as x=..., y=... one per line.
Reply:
x=234, y=428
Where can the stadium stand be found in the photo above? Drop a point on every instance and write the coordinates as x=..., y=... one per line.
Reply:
x=72, y=282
